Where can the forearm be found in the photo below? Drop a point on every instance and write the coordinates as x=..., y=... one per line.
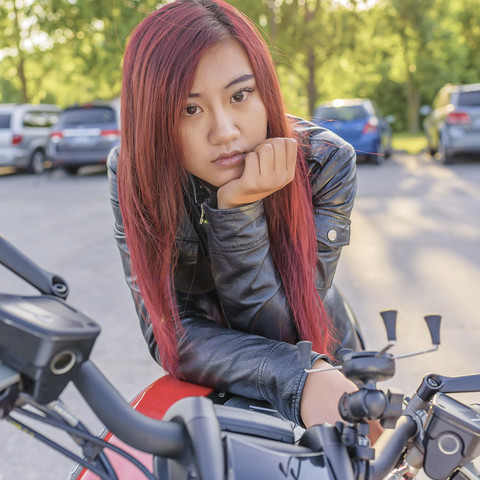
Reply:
x=250, y=290
x=243, y=364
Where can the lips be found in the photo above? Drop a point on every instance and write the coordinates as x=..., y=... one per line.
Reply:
x=228, y=160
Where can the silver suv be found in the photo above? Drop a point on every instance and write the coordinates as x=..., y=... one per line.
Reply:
x=453, y=124
x=24, y=131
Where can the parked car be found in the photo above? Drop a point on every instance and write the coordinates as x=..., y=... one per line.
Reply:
x=84, y=135
x=452, y=125
x=24, y=131
x=360, y=122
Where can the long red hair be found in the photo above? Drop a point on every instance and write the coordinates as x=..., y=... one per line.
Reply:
x=159, y=67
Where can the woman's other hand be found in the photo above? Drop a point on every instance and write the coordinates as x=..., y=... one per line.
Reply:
x=268, y=168
x=321, y=395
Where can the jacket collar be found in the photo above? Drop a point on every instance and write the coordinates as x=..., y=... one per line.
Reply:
x=200, y=189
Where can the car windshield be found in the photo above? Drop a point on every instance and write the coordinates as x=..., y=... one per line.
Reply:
x=346, y=113
x=87, y=116
x=5, y=120
x=469, y=99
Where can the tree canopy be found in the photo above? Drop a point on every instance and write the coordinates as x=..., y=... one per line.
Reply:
x=397, y=52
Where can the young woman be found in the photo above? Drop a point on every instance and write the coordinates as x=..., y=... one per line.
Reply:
x=229, y=214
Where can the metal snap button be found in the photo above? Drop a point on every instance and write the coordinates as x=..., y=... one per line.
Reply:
x=332, y=235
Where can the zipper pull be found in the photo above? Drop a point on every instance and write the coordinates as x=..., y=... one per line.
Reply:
x=202, y=216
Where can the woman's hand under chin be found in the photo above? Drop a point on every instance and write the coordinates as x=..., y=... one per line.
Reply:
x=268, y=168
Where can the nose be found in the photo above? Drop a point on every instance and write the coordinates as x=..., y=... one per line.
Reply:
x=223, y=127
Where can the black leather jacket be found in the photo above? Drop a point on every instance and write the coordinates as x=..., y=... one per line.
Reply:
x=225, y=270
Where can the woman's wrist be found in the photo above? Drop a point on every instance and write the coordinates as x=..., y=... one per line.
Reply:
x=321, y=394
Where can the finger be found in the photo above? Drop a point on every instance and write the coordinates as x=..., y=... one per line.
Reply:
x=291, y=148
x=267, y=157
x=252, y=167
x=279, y=152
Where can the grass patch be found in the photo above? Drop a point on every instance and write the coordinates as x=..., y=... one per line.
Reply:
x=412, y=143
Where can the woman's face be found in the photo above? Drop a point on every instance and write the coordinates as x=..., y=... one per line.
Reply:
x=224, y=117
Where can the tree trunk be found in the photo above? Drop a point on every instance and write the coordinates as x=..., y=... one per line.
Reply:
x=311, y=84
x=21, y=58
x=413, y=104
x=311, y=59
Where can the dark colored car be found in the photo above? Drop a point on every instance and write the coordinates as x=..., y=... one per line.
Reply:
x=452, y=126
x=84, y=135
x=360, y=122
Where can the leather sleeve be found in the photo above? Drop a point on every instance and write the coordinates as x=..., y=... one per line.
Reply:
x=249, y=288
x=245, y=364
x=334, y=186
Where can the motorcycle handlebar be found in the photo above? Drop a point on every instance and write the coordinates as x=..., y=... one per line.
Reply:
x=167, y=438
x=157, y=437
x=390, y=446
x=45, y=282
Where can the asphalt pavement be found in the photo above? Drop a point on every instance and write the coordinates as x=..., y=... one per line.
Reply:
x=414, y=247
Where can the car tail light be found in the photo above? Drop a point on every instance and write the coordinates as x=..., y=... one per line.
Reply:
x=55, y=137
x=370, y=127
x=458, y=118
x=110, y=133
x=16, y=139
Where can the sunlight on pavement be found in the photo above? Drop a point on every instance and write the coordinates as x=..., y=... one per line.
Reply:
x=6, y=171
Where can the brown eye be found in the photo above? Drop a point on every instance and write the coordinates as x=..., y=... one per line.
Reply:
x=191, y=110
x=241, y=95
x=238, y=96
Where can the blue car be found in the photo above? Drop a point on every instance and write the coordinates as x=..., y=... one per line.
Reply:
x=359, y=122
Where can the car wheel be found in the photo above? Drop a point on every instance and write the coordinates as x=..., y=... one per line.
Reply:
x=445, y=158
x=379, y=156
x=37, y=162
x=388, y=150
x=71, y=170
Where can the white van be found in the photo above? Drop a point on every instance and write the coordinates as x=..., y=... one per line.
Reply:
x=24, y=131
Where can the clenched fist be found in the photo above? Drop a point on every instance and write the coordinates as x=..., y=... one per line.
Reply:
x=268, y=168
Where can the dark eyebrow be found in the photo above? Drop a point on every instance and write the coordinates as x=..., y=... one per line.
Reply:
x=242, y=78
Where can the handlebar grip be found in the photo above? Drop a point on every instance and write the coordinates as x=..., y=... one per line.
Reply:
x=166, y=439
x=390, y=445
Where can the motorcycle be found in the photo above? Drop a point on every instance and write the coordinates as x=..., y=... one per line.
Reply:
x=175, y=430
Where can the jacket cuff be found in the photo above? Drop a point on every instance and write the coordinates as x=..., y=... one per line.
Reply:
x=236, y=229
x=283, y=387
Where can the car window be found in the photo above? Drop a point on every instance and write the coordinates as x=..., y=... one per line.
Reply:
x=87, y=116
x=342, y=114
x=39, y=119
x=5, y=120
x=469, y=99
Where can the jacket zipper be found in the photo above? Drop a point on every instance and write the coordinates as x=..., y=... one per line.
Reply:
x=202, y=216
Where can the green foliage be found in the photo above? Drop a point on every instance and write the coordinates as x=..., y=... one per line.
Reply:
x=397, y=52
x=412, y=143
x=72, y=50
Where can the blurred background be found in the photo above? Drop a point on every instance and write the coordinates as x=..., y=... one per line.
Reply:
x=398, y=53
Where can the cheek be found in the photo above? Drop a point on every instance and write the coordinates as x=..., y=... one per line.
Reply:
x=186, y=141
x=260, y=126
